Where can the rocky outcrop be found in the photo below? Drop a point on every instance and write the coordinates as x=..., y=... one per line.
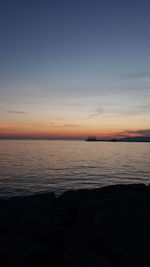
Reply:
x=107, y=226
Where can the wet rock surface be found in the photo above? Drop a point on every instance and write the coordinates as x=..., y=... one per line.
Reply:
x=106, y=227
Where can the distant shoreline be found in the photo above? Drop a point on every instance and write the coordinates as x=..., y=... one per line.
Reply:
x=123, y=141
x=145, y=139
x=97, y=140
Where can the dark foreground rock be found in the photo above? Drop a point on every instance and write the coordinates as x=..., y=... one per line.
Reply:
x=105, y=227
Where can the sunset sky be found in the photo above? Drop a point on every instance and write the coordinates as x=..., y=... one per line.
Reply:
x=70, y=68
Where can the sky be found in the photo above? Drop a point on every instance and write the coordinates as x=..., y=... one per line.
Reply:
x=70, y=68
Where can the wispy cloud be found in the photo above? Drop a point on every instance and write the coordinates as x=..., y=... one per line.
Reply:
x=131, y=133
x=137, y=75
x=53, y=124
x=14, y=111
x=135, y=111
x=7, y=129
x=124, y=111
x=145, y=132
x=71, y=125
x=96, y=112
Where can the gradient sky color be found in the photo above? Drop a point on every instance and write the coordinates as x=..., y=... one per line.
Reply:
x=69, y=69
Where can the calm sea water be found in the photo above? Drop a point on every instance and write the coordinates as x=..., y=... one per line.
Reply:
x=28, y=167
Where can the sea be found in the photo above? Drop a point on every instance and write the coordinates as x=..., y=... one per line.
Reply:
x=34, y=166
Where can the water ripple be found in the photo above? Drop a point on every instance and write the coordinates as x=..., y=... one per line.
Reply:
x=40, y=166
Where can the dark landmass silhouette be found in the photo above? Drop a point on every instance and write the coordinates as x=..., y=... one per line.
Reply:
x=106, y=227
x=125, y=139
x=91, y=138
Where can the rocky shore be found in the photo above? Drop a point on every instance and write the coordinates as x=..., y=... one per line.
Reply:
x=106, y=227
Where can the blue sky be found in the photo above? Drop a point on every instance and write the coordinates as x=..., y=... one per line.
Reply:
x=85, y=62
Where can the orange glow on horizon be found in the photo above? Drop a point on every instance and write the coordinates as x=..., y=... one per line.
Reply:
x=65, y=128
x=63, y=132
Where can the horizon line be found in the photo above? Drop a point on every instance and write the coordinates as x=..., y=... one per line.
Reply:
x=68, y=138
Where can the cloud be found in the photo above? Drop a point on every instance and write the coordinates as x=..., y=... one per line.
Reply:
x=7, y=129
x=126, y=133
x=96, y=112
x=145, y=132
x=71, y=125
x=14, y=111
x=135, y=111
x=122, y=111
x=53, y=124
x=137, y=75
x=140, y=132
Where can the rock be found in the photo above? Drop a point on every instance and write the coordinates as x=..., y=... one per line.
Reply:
x=99, y=227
